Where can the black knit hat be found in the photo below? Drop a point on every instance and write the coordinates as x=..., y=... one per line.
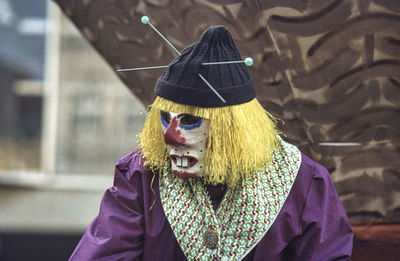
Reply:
x=181, y=82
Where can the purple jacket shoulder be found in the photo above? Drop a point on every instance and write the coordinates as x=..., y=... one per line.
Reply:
x=131, y=224
x=116, y=233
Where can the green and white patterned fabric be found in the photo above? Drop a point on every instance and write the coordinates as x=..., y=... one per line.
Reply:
x=245, y=215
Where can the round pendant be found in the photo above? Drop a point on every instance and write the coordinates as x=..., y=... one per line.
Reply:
x=210, y=239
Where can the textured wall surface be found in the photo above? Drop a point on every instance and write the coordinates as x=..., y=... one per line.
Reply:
x=342, y=60
x=330, y=69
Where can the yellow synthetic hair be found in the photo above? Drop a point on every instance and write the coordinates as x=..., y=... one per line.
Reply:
x=241, y=139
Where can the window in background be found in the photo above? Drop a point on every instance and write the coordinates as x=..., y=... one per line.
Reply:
x=98, y=117
x=63, y=110
x=22, y=46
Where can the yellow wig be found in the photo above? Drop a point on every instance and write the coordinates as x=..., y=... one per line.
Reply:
x=241, y=139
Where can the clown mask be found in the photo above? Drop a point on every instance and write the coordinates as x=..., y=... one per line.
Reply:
x=186, y=137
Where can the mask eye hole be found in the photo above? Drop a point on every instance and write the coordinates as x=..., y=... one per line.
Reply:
x=165, y=118
x=187, y=119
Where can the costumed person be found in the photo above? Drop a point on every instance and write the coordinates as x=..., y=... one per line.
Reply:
x=212, y=179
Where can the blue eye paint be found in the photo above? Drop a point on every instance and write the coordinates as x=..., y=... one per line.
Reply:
x=163, y=122
x=192, y=126
x=182, y=126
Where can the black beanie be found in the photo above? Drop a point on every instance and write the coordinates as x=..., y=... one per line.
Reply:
x=181, y=82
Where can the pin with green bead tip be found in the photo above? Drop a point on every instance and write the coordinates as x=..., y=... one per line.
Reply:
x=146, y=20
x=248, y=62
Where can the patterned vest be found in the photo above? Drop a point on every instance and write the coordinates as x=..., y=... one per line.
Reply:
x=244, y=216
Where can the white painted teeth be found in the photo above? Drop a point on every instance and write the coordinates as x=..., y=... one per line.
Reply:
x=185, y=162
x=179, y=161
x=182, y=162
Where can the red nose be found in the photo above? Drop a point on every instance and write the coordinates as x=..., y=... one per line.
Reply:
x=173, y=136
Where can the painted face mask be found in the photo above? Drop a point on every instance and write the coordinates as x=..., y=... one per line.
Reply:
x=186, y=137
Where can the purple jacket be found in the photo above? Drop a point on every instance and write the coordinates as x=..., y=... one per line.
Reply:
x=311, y=225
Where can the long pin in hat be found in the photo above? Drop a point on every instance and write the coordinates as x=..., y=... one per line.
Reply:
x=145, y=20
x=248, y=61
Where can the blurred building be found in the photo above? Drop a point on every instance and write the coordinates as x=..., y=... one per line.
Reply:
x=65, y=119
